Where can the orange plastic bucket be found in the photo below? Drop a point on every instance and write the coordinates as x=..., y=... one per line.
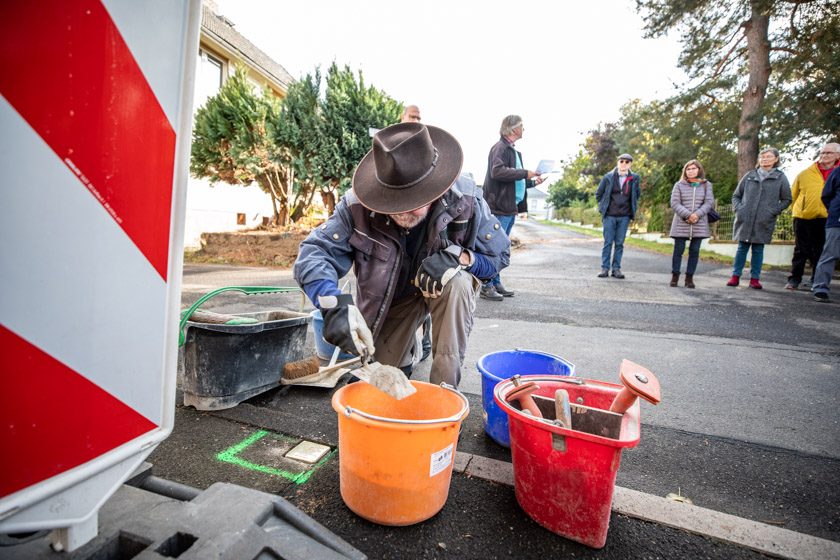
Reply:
x=395, y=457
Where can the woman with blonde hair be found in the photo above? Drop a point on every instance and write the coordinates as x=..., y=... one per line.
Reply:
x=691, y=199
x=759, y=198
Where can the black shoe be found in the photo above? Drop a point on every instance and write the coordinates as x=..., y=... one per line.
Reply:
x=821, y=297
x=617, y=274
x=489, y=292
x=501, y=290
x=604, y=274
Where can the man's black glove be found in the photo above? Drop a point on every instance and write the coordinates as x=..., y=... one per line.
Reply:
x=344, y=325
x=437, y=270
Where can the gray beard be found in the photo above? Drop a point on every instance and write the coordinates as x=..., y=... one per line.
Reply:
x=407, y=221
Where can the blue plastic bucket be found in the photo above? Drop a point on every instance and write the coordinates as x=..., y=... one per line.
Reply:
x=496, y=366
x=323, y=348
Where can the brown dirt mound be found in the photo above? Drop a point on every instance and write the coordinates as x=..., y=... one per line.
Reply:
x=270, y=247
x=256, y=248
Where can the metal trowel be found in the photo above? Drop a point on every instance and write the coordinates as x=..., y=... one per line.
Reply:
x=388, y=379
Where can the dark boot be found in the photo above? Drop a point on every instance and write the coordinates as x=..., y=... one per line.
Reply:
x=689, y=281
x=675, y=279
x=489, y=292
x=500, y=289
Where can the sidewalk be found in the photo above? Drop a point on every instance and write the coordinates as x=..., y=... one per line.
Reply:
x=481, y=518
x=775, y=254
x=710, y=438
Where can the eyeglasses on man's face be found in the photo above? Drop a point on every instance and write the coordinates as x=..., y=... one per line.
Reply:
x=624, y=161
x=828, y=153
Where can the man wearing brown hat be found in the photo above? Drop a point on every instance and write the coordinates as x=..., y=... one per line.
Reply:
x=419, y=237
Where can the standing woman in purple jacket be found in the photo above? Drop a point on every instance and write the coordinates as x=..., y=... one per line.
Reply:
x=691, y=199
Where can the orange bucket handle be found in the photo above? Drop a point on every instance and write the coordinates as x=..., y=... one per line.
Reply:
x=458, y=416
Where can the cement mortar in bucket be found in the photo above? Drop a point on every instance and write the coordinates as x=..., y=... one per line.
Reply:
x=396, y=456
x=496, y=366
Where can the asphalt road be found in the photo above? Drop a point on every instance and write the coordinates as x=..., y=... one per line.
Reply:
x=747, y=424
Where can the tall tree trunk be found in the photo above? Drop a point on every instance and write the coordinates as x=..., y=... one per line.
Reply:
x=290, y=189
x=758, y=46
x=275, y=215
x=328, y=199
x=268, y=187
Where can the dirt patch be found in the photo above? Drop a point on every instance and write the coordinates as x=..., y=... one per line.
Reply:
x=254, y=248
x=257, y=248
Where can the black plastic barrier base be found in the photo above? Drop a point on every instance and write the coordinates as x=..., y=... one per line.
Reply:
x=224, y=521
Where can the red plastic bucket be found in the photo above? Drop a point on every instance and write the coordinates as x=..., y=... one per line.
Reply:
x=564, y=479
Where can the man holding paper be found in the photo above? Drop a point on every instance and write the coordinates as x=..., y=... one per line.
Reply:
x=504, y=188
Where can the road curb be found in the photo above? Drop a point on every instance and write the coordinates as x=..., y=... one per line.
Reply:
x=760, y=537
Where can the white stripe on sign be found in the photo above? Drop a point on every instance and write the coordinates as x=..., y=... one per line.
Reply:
x=156, y=57
x=106, y=318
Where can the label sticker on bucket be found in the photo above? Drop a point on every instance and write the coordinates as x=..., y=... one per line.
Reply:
x=441, y=460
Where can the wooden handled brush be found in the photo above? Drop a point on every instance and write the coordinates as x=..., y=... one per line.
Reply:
x=312, y=365
x=387, y=379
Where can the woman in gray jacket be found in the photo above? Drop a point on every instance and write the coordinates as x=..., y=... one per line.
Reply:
x=758, y=200
x=692, y=199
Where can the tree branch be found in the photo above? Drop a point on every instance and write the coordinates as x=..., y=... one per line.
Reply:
x=734, y=33
x=726, y=56
x=793, y=31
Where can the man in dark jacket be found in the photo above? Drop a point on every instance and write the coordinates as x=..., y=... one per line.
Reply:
x=419, y=236
x=618, y=197
x=831, y=248
x=505, y=188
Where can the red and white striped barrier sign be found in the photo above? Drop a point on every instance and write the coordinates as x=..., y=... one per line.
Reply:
x=95, y=118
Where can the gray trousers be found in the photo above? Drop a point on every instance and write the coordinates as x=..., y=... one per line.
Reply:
x=830, y=254
x=452, y=320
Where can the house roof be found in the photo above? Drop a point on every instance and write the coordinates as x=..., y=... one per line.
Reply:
x=220, y=29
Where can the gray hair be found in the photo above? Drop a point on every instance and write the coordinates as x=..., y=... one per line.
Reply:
x=773, y=151
x=509, y=123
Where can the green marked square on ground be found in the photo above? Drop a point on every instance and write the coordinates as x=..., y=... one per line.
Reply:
x=269, y=451
x=263, y=452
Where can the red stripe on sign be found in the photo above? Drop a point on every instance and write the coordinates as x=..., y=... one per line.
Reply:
x=70, y=75
x=52, y=418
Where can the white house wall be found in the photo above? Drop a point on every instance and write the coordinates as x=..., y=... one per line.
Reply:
x=214, y=209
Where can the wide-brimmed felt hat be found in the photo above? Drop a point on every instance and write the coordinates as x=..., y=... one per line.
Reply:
x=410, y=165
